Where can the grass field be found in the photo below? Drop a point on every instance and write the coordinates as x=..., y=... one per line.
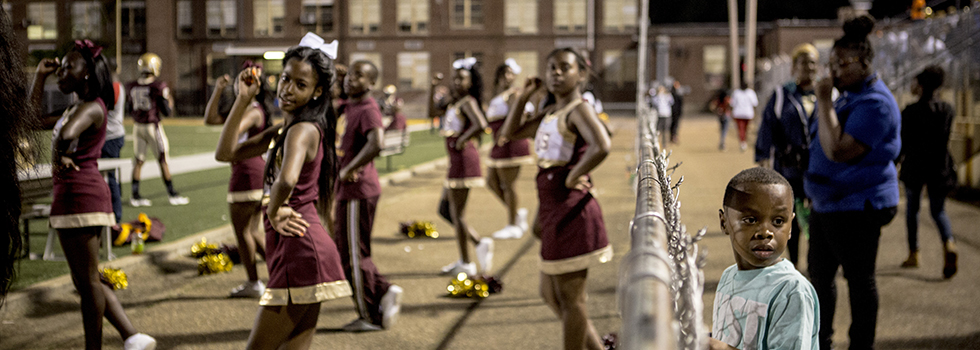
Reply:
x=207, y=190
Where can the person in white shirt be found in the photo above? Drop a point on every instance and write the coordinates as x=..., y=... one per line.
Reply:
x=744, y=101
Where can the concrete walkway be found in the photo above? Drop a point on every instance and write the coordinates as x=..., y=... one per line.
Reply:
x=167, y=299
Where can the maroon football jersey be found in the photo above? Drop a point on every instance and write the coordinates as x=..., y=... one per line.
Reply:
x=145, y=100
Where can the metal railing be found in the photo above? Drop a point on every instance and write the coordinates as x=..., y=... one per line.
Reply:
x=660, y=280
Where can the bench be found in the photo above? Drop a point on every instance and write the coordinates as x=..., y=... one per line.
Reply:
x=393, y=142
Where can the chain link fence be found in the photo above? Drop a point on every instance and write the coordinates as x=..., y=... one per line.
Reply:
x=661, y=282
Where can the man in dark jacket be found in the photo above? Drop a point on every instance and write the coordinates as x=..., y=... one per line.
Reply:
x=783, y=137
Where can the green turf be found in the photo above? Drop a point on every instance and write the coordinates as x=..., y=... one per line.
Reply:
x=184, y=140
x=206, y=190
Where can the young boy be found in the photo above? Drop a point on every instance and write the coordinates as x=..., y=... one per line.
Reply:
x=762, y=302
x=356, y=193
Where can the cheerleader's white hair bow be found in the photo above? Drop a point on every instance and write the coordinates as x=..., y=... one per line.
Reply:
x=316, y=42
x=464, y=63
x=510, y=62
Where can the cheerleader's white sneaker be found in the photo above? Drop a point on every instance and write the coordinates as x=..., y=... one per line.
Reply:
x=140, y=341
x=391, y=305
x=448, y=269
x=249, y=289
x=484, y=254
x=509, y=232
x=522, y=220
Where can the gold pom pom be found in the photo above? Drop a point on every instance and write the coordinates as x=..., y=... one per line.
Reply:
x=465, y=287
x=203, y=248
x=114, y=278
x=420, y=229
x=213, y=263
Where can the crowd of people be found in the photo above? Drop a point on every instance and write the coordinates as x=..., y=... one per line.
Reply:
x=303, y=193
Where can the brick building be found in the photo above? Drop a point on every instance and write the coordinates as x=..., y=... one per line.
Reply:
x=409, y=40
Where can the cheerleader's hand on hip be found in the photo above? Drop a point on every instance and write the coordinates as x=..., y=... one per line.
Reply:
x=581, y=183
x=288, y=222
x=66, y=164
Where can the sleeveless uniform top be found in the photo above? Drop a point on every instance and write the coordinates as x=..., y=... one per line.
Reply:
x=515, y=152
x=81, y=197
x=247, y=176
x=307, y=269
x=464, y=165
x=573, y=234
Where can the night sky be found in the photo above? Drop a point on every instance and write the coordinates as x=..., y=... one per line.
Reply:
x=674, y=11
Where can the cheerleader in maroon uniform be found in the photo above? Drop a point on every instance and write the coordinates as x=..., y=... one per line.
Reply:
x=304, y=265
x=82, y=207
x=464, y=121
x=570, y=141
x=245, y=186
x=506, y=158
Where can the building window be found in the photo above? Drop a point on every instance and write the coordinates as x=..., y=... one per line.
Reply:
x=86, y=20
x=714, y=65
x=365, y=16
x=185, y=18
x=43, y=21
x=373, y=57
x=466, y=54
x=569, y=16
x=318, y=16
x=619, y=67
x=269, y=16
x=413, y=16
x=413, y=71
x=134, y=19
x=620, y=15
x=521, y=17
x=528, y=60
x=467, y=14
x=222, y=18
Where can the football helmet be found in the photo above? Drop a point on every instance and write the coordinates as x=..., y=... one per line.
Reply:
x=150, y=63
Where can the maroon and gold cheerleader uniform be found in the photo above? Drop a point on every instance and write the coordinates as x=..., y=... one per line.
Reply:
x=303, y=270
x=247, y=176
x=464, y=166
x=573, y=234
x=513, y=153
x=81, y=197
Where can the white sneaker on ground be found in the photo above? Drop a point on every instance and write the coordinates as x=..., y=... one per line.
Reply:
x=448, y=269
x=139, y=202
x=391, y=305
x=469, y=269
x=140, y=341
x=179, y=200
x=249, y=290
x=509, y=232
x=484, y=254
x=522, y=219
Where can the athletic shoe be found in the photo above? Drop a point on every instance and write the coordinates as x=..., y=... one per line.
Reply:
x=509, y=232
x=140, y=341
x=949, y=257
x=360, y=325
x=448, y=269
x=391, y=305
x=140, y=202
x=179, y=200
x=249, y=290
x=522, y=220
x=484, y=254
x=469, y=269
x=742, y=146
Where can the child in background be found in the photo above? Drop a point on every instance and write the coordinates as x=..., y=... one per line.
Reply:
x=245, y=186
x=570, y=141
x=357, y=192
x=762, y=302
x=464, y=122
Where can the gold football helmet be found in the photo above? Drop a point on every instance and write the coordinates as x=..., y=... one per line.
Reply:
x=150, y=63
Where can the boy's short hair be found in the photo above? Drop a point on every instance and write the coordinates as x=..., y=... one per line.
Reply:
x=374, y=69
x=757, y=175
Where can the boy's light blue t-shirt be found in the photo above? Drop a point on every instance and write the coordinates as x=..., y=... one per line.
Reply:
x=769, y=308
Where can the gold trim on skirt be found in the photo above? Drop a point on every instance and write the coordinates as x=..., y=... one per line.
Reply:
x=577, y=263
x=306, y=295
